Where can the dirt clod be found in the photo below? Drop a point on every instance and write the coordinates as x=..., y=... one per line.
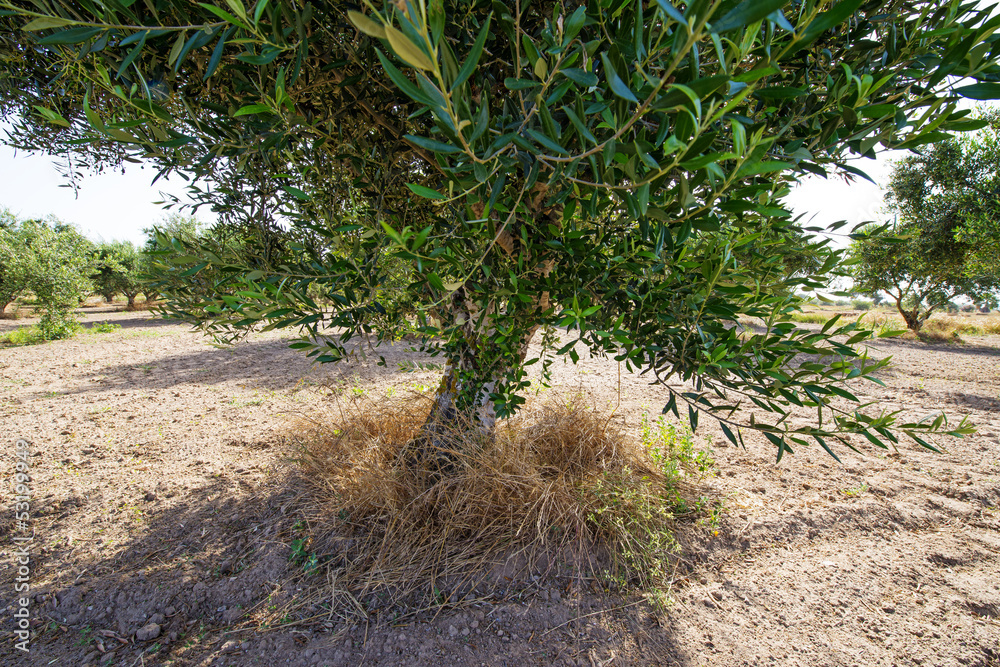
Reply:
x=147, y=632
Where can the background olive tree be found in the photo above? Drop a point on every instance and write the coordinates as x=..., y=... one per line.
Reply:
x=52, y=260
x=944, y=240
x=975, y=181
x=121, y=269
x=613, y=169
x=13, y=280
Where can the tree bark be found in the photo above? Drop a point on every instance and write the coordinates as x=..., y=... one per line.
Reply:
x=459, y=408
x=913, y=320
x=910, y=317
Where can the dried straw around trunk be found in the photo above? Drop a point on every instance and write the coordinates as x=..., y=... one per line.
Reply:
x=558, y=492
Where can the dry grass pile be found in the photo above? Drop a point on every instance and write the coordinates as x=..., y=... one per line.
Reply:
x=557, y=491
x=810, y=318
x=953, y=326
x=940, y=327
x=142, y=305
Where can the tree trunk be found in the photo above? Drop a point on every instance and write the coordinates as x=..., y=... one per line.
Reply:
x=463, y=407
x=913, y=319
x=131, y=301
x=460, y=408
x=463, y=412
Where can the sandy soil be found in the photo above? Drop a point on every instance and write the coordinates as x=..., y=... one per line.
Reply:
x=161, y=520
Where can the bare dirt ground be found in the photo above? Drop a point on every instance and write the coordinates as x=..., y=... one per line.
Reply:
x=163, y=525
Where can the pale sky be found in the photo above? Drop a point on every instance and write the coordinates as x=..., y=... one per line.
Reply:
x=828, y=200
x=109, y=207
x=116, y=206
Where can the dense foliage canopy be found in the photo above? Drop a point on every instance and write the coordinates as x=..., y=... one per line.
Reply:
x=614, y=168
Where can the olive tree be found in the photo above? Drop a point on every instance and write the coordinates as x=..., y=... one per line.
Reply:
x=611, y=171
x=920, y=265
x=976, y=182
x=54, y=261
x=943, y=242
x=172, y=226
x=13, y=278
x=121, y=269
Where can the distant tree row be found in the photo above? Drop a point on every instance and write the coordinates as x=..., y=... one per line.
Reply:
x=60, y=267
x=121, y=269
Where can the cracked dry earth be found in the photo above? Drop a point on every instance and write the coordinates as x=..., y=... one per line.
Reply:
x=161, y=534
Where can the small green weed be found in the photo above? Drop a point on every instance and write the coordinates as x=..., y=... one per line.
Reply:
x=58, y=326
x=84, y=636
x=673, y=448
x=639, y=518
x=255, y=399
x=302, y=556
x=23, y=336
x=809, y=318
x=855, y=491
x=356, y=389
x=105, y=327
x=640, y=511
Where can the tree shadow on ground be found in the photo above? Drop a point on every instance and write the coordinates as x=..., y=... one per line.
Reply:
x=268, y=365
x=971, y=349
x=218, y=569
x=173, y=564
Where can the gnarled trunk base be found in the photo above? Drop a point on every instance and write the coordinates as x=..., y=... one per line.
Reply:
x=480, y=416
